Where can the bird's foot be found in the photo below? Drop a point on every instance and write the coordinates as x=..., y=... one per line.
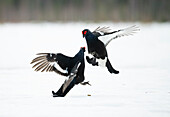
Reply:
x=85, y=83
x=92, y=61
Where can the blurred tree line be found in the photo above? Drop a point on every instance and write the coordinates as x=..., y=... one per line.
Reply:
x=84, y=10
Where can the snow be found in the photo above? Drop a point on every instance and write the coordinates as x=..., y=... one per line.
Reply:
x=142, y=89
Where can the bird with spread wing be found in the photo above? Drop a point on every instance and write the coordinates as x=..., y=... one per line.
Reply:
x=97, y=48
x=71, y=67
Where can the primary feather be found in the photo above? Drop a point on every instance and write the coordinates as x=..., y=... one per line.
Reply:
x=104, y=33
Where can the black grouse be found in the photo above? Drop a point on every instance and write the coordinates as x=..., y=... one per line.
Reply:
x=97, y=48
x=74, y=67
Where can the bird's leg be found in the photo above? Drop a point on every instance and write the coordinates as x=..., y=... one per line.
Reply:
x=92, y=61
x=85, y=83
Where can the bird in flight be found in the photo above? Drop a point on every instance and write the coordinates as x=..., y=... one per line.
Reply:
x=97, y=47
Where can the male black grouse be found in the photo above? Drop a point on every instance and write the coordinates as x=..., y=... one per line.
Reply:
x=74, y=67
x=98, y=49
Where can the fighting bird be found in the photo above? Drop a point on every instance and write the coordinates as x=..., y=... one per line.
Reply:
x=71, y=67
x=97, y=48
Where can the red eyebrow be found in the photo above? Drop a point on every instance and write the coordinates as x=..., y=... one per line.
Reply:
x=83, y=47
x=85, y=32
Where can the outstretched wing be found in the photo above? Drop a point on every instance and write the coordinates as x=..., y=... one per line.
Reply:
x=104, y=33
x=48, y=62
x=124, y=32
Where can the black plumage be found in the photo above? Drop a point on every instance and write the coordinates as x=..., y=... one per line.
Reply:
x=98, y=49
x=74, y=67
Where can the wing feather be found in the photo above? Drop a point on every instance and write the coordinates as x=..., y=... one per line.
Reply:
x=37, y=59
x=124, y=32
x=49, y=61
x=41, y=66
x=47, y=70
x=45, y=67
x=106, y=35
x=51, y=69
x=38, y=63
x=42, y=53
x=101, y=31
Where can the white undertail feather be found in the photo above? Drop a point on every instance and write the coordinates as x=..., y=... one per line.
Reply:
x=124, y=32
x=102, y=62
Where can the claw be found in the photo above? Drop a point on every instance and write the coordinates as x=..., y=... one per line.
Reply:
x=85, y=83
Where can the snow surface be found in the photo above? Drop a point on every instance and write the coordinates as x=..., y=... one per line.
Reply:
x=142, y=89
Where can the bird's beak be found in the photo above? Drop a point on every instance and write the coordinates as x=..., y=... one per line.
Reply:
x=83, y=34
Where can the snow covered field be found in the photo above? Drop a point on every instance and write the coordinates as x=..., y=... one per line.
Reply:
x=142, y=89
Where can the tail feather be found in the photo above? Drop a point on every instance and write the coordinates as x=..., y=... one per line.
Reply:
x=65, y=88
x=68, y=84
x=110, y=68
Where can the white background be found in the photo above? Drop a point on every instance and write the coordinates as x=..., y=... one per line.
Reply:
x=142, y=89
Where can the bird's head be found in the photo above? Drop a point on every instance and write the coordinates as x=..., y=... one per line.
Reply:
x=85, y=32
x=83, y=48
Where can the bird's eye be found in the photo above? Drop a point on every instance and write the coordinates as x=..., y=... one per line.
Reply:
x=85, y=32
